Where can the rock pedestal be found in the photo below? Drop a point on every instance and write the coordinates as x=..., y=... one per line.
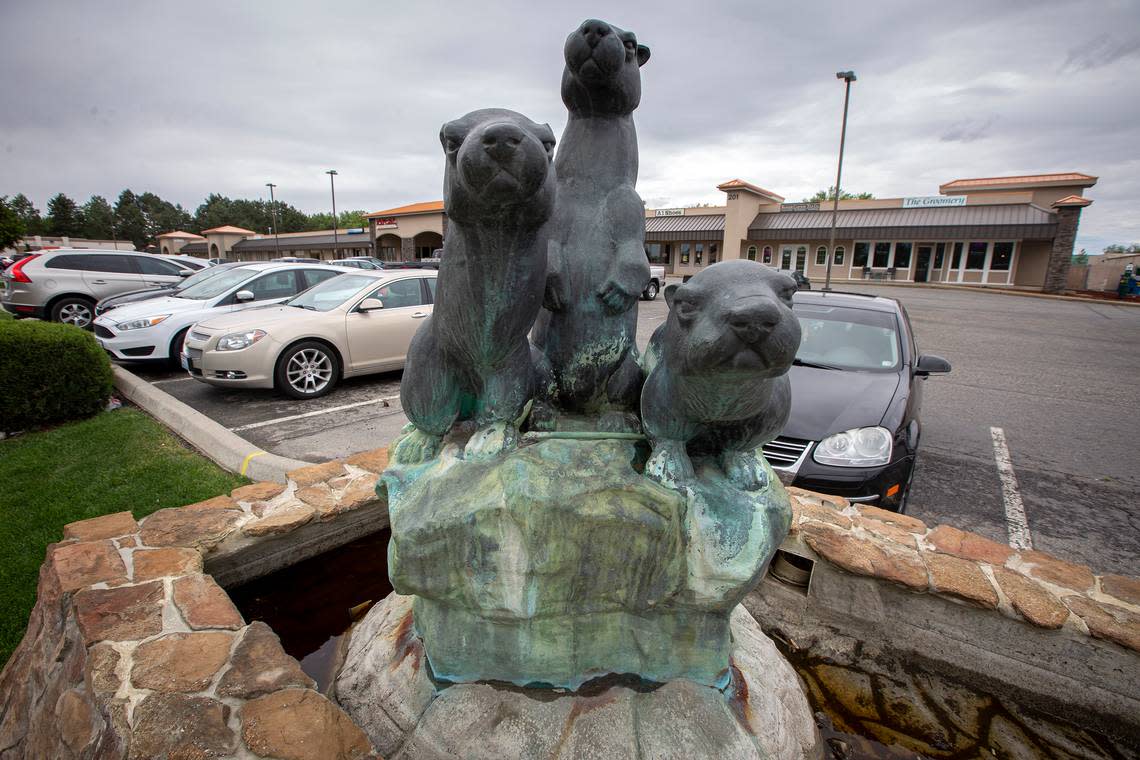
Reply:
x=386, y=687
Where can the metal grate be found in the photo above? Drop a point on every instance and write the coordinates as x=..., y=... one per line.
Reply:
x=194, y=353
x=103, y=332
x=199, y=336
x=785, y=452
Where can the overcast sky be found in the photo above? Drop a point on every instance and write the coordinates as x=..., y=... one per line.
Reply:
x=188, y=98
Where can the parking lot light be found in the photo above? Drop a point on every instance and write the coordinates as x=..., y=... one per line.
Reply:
x=848, y=77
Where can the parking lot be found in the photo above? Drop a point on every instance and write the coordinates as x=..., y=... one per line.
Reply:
x=1055, y=378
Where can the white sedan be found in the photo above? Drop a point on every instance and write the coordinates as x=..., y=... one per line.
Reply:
x=355, y=324
x=155, y=328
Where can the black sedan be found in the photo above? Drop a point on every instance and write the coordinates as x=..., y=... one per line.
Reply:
x=857, y=385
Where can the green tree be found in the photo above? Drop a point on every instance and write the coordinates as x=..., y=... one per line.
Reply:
x=98, y=218
x=161, y=215
x=1081, y=259
x=28, y=213
x=829, y=195
x=11, y=225
x=215, y=211
x=1118, y=248
x=63, y=218
x=130, y=222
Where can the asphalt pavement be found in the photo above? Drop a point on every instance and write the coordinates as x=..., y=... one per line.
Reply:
x=1055, y=377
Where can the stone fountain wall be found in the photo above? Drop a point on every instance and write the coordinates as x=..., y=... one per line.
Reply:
x=134, y=650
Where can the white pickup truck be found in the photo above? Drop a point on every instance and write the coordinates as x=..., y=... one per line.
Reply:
x=656, y=282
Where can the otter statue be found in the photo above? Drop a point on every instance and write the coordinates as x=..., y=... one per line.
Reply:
x=471, y=358
x=598, y=266
x=717, y=381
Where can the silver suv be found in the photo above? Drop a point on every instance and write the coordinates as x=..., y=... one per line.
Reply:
x=63, y=285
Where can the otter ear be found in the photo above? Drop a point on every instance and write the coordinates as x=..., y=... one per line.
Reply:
x=642, y=55
x=670, y=292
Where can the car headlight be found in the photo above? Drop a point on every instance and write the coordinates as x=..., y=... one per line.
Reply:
x=139, y=324
x=861, y=447
x=238, y=341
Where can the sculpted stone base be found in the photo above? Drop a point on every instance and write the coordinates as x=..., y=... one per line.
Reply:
x=386, y=686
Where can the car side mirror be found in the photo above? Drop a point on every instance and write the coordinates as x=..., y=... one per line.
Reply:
x=243, y=295
x=185, y=272
x=929, y=364
x=370, y=304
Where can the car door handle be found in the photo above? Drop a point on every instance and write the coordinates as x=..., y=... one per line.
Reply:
x=419, y=314
x=98, y=282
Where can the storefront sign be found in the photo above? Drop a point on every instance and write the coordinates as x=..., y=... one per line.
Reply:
x=800, y=206
x=934, y=201
x=386, y=221
x=669, y=212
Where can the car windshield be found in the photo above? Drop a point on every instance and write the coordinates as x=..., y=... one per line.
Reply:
x=331, y=293
x=198, y=277
x=838, y=337
x=215, y=286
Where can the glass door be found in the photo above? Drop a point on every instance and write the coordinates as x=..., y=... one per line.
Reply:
x=801, y=259
x=922, y=263
x=786, y=253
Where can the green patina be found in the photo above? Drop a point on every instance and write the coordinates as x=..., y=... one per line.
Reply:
x=560, y=562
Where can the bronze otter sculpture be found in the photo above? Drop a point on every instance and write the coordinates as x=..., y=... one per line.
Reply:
x=717, y=381
x=471, y=358
x=598, y=266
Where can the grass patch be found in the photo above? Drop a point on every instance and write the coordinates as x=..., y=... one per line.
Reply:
x=4, y=314
x=115, y=461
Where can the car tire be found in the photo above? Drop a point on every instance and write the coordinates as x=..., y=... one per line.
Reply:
x=74, y=310
x=309, y=369
x=651, y=291
x=904, y=501
x=176, y=346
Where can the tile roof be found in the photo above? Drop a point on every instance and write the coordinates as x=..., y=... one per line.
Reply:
x=180, y=234
x=426, y=207
x=1019, y=221
x=739, y=184
x=1023, y=180
x=1072, y=200
x=324, y=241
x=229, y=229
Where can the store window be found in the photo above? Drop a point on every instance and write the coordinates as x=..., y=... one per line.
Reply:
x=839, y=251
x=976, y=256
x=939, y=255
x=882, y=258
x=685, y=253
x=767, y=254
x=751, y=253
x=712, y=253
x=956, y=258
x=656, y=253
x=821, y=256
x=902, y=255
x=861, y=252
x=699, y=253
x=1002, y=257
x=785, y=258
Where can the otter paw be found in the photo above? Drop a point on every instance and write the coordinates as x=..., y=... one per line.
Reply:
x=615, y=299
x=490, y=441
x=669, y=464
x=416, y=447
x=745, y=469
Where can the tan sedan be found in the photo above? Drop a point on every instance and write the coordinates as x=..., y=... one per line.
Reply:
x=356, y=323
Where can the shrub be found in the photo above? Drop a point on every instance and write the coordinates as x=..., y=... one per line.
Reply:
x=49, y=373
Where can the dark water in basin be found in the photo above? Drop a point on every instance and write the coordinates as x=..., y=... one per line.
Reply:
x=310, y=604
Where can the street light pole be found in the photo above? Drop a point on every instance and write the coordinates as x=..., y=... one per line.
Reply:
x=273, y=211
x=848, y=77
x=332, y=186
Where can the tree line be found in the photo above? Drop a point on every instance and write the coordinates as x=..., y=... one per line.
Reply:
x=139, y=217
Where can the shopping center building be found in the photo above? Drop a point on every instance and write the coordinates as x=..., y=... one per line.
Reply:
x=1012, y=232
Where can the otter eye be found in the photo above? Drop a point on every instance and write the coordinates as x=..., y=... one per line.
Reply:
x=549, y=145
x=686, y=311
x=787, y=293
x=630, y=47
x=450, y=144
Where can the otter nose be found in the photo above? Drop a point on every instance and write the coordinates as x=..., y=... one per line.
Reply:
x=754, y=320
x=501, y=140
x=594, y=30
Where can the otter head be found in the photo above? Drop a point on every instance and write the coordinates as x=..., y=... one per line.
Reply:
x=734, y=317
x=498, y=163
x=602, y=74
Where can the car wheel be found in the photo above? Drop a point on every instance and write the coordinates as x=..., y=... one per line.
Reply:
x=74, y=311
x=307, y=370
x=176, y=346
x=651, y=291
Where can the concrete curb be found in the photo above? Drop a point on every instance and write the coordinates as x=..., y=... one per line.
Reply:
x=229, y=450
x=998, y=291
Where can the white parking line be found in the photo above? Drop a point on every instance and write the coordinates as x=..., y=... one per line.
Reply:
x=1015, y=521
x=292, y=417
x=170, y=380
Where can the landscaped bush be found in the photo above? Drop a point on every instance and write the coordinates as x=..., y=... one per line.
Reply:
x=49, y=373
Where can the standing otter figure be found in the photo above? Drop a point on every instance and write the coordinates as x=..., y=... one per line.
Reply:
x=718, y=383
x=471, y=359
x=598, y=266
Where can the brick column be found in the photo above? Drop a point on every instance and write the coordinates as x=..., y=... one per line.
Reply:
x=408, y=249
x=1060, y=257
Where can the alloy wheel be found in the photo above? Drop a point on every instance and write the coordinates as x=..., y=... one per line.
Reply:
x=309, y=371
x=75, y=313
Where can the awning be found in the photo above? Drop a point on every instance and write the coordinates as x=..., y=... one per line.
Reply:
x=1020, y=221
x=692, y=227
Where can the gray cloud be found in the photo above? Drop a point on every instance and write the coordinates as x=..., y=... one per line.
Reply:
x=189, y=98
